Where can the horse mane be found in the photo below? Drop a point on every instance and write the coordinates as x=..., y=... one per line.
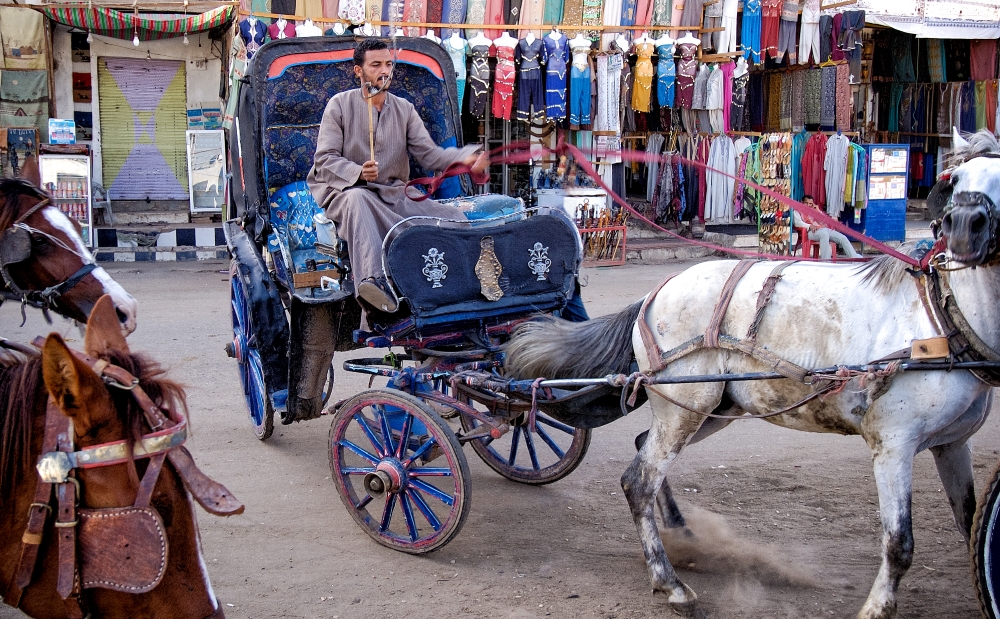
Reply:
x=13, y=189
x=21, y=380
x=884, y=272
x=983, y=142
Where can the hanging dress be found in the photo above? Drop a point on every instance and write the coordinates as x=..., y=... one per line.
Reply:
x=458, y=50
x=666, y=74
x=503, y=84
x=750, y=36
x=479, y=80
x=644, y=74
x=557, y=50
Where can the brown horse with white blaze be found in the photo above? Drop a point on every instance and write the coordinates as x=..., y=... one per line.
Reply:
x=134, y=548
x=44, y=261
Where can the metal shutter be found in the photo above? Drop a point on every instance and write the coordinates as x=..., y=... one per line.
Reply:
x=143, y=107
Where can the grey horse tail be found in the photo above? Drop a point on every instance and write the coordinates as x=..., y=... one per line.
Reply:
x=555, y=348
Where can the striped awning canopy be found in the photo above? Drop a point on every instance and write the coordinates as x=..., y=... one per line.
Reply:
x=125, y=25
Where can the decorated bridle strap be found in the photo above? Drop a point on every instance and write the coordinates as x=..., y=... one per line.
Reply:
x=31, y=211
x=54, y=466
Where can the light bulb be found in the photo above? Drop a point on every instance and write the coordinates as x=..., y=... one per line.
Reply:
x=90, y=37
x=186, y=42
x=135, y=39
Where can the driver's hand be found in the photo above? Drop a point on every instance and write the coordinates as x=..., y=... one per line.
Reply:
x=369, y=171
x=478, y=164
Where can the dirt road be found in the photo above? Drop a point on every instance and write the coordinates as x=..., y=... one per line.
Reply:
x=786, y=523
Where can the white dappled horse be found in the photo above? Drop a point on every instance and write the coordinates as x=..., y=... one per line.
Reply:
x=820, y=315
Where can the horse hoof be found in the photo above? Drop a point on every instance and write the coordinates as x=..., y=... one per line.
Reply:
x=684, y=601
x=870, y=611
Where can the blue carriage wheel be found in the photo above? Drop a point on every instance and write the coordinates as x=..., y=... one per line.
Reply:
x=251, y=368
x=400, y=470
x=984, y=547
x=547, y=454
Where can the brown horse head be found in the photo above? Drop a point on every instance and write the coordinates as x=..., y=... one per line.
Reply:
x=99, y=415
x=43, y=257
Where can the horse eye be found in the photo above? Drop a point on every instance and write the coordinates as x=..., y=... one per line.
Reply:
x=40, y=242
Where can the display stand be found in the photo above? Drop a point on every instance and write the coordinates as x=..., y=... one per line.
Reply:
x=888, y=169
x=67, y=179
x=206, y=152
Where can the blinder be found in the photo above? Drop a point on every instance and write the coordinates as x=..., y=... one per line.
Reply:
x=15, y=246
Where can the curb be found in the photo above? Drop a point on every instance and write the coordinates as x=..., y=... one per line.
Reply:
x=175, y=245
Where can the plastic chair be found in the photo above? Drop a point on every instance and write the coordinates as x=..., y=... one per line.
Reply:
x=811, y=248
x=99, y=192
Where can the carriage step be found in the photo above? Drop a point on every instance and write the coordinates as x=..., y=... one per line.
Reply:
x=279, y=400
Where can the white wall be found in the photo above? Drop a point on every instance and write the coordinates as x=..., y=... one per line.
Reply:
x=203, y=73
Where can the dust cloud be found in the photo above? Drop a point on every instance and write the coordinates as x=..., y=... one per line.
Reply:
x=715, y=548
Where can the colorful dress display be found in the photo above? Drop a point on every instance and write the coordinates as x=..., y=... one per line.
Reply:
x=557, y=51
x=579, y=82
x=503, y=84
x=666, y=75
x=530, y=56
x=644, y=74
x=458, y=50
x=479, y=80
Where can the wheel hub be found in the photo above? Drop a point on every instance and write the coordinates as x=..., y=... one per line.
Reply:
x=235, y=348
x=389, y=476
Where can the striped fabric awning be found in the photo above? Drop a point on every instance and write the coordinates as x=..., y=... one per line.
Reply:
x=125, y=25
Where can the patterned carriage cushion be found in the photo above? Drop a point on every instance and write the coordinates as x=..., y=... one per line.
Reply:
x=296, y=99
x=513, y=267
x=487, y=205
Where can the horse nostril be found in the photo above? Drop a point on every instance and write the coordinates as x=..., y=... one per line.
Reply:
x=121, y=316
x=946, y=223
x=978, y=223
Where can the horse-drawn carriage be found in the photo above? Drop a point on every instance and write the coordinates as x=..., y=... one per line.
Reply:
x=397, y=462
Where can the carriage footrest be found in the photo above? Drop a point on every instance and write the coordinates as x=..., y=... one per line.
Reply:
x=279, y=400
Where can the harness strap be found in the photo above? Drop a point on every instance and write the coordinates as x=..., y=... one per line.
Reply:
x=148, y=482
x=653, y=353
x=31, y=211
x=722, y=305
x=764, y=297
x=38, y=512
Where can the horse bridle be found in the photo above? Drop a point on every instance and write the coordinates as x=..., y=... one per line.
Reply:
x=55, y=471
x=15, y=247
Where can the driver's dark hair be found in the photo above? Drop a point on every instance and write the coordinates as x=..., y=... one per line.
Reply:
x=370, y=44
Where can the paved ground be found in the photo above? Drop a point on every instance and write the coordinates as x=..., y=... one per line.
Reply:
x=786, y=523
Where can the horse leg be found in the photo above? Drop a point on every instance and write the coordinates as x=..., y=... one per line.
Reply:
x=669, y=511
x=894, y=479
x=954, y=465
x=645, y=478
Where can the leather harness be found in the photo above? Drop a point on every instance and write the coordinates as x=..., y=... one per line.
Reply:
x=90, y=541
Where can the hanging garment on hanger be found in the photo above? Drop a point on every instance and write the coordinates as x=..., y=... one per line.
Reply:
x=532, y=14
x=809, y=47
x=750, y=36
x=666, y=75
x=727, y=38
x=553, y=12
x=308, y=29
x=798, y=100
x=739, y=119
x=785, y=118
x=835, y=165
x=281, y=29
x=654, y=145
x=572, y=13
x=661, y=15
x=494, y=15
x=692, y=15
x=609, y=75
x=644, y=74
x=612, y=16
x=459, y=51
x=415, y=11
x=252, y=33
x=774, y=81
x=715, y=99
x=352, y=10
x=531, y=89
x=828, y=99
x=813, y=175
x=713, y=20
x=687, y=69
x=769, y=22
x=836, y=53
x=557, y=52
x=626, y=114
x=812, y=103
x=787, y=29
x=452, y=12
x=579, y=83
x=503, y=83
x=844, y=98
x=799, y=141
x=719, y=187
x=475, y=14
x=511, y=14
x=479, y=79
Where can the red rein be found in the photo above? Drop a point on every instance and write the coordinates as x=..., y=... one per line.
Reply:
x=523, y=152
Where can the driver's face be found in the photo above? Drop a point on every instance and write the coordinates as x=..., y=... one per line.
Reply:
x=376, y=68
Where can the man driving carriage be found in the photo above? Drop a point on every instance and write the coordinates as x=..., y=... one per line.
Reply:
x=361, y=167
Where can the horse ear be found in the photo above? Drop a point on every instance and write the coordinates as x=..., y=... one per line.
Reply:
x=69, y=381
x=957, y=141
x=104, y=331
